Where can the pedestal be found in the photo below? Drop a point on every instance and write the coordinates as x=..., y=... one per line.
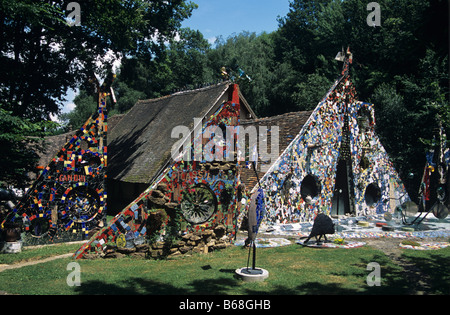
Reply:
x=252, y=275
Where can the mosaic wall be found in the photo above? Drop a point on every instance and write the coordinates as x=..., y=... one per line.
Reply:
x=301, y=182
x=188, y=196
x=68, y=199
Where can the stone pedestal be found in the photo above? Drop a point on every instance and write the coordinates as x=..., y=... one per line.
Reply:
x=252, y=275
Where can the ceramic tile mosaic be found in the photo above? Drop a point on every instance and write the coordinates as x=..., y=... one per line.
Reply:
x=68, y=199
x=175, y=192
x=302, y=182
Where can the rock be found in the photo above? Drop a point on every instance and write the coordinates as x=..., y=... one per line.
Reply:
x=219, y=231
x=110, y=250
x=162, y=187
x=175, y=254
x=187, y=237
x=138, y=255
x=142, y=248
x=191, y=243
x=173, y=250
x=126, y=251
x=201, y=242
x=114, y=255
x=220, y=245
x=155, y=253
x=179, y=244
x=207, y=233
x=198, y=249
x=185, y=249
x=171, y=205
x=157, y=201
x=90, y=256
x=158, y=245
x=157, y=194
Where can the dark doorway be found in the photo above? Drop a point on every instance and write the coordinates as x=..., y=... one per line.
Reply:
x=310, y=187
x=341, y=198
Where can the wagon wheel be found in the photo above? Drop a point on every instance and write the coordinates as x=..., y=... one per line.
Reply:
x=198, y=204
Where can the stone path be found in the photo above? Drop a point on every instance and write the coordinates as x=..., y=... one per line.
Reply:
x=30, y=263
x=34, y=262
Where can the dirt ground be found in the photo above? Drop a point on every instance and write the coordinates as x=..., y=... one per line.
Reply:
x=419, y=281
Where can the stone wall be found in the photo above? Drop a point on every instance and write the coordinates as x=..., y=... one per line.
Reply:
x=201, y=242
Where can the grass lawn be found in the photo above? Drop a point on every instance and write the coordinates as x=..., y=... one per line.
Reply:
x=292, y=270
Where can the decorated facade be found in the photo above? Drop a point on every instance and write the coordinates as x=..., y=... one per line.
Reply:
x=68, y=199
x=185, y=196
x=335, y=165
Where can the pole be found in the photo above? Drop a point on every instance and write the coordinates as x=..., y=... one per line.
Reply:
x=254, y=256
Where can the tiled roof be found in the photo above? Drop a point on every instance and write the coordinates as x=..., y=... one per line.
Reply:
x=140, y=144
x=289, y=125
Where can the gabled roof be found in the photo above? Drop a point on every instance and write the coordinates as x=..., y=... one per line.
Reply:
x=140, y=144
x=289, y=125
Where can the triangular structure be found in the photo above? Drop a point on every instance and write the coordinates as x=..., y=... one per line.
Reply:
x=335, y=165
x=68, y=199
x=185, y=195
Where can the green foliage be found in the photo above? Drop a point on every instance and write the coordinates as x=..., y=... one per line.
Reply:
x=401, y=66
x=254, y=55
x=20, y=139
x=42, y=56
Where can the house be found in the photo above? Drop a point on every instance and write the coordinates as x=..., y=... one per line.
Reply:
x=335, y=165
x=140, y=144
x=182, y=194
x=328, y=160
x=68, y=198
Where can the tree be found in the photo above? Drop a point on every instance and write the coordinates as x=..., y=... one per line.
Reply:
x=252, y=54
x=19, y=147
x=86, y=105
x=178, y=63
x=42, y=56
x=401, y=67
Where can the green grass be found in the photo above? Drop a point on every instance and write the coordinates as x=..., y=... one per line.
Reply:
x=292, y=270
x=28, y=254
x=437, y=267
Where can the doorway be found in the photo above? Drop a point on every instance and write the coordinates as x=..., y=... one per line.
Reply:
x=341, y=204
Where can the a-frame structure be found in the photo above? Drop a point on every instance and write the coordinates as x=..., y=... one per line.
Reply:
x=68, y=199
x=188, y=195
x=336, y=164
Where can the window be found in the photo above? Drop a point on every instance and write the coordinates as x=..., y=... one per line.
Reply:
x=372, y=194
x=310, y=186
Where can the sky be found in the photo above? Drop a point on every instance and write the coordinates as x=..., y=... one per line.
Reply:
x=218, y=17
x=215, y=18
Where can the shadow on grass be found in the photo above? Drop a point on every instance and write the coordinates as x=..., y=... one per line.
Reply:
x=435, y=265
x=138, y=286
x=394, y=281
